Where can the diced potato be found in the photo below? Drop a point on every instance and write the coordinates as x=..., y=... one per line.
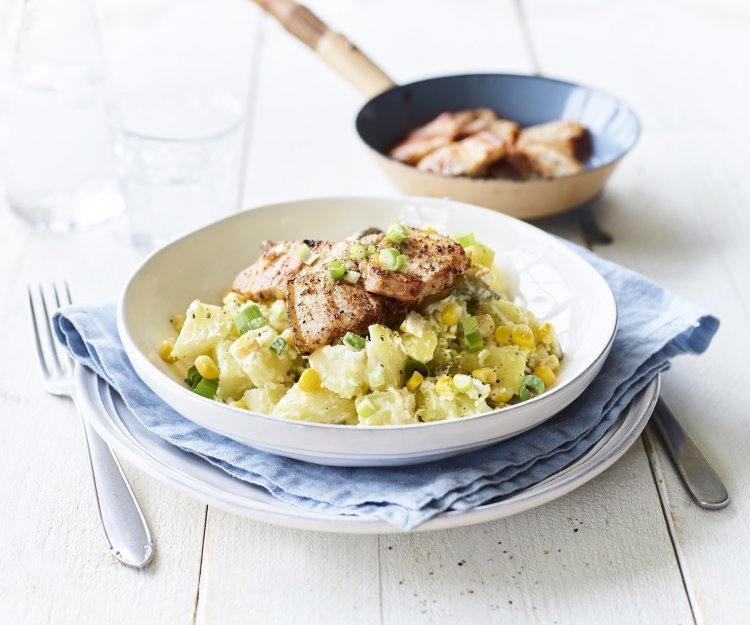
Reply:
x=322, y=406
x=510, y=314
x=233, y=381
x=264, y=399
x=205, y=325
x=342, y=369
x=435, y=406
x=419, y=337
x=386, y=358
x=510, y=363
x=261, y=364
x=392, y=407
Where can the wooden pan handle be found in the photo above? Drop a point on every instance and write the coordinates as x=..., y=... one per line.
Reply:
x=335, y=49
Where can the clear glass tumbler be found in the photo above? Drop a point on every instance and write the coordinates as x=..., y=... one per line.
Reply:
x=177, y=155
x=60, y=170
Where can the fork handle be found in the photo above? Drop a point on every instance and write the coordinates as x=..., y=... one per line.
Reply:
x=699, y=478
x=124, y=526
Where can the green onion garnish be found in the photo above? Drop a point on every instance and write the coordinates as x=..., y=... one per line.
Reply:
x=250, y=318
x=532, y=386
x=463, y=383
x=371, y=250
x=207, y=388
x=390, y=259
x=465, y=239
x=193, y=377
x=415, y=365
x=278, y=308
x=354, y=341
x=358, y=251
x=397, y=232
x=337, y=269
x=365, y=408
x=278, y=345
x=352, y=277
x=472, y=341
x=306, y=255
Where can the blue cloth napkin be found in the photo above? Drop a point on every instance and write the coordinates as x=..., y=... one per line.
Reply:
x=653, y=327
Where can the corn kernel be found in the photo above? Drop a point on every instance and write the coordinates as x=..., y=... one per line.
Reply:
x=486, y=325
x=545, y=333
x=165, y=351
x=523, y=336
x=414, y=381
x=452, y=314
x=547, y=376
x=177, y=322
x=500, y=395
x=309, y=381
x=240, y=404
x=503, y=334
x=444, y=385
x=207, y=367
x=551, y=361
x=485, y=374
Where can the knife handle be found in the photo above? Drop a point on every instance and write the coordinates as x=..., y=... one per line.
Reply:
x=696, y=473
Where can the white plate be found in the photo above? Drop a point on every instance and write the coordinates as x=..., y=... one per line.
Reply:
x=554, y=282
x=196, y=477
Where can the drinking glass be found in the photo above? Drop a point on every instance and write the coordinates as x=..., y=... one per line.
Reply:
x=177, y=156
x=60, y=170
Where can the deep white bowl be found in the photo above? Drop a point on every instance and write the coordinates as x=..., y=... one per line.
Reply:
x=554, y=282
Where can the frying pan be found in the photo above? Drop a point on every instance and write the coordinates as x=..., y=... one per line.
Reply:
x=393, y=110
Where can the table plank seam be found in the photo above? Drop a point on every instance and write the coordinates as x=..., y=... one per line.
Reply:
x=200, y=568
x=652, y=453
x=527, y=38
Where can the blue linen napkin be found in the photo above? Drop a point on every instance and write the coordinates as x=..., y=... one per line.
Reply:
x=653, y=327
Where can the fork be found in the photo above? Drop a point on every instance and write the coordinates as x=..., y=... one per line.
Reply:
x=125, y=529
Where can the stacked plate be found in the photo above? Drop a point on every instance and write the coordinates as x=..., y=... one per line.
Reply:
x=553, y=281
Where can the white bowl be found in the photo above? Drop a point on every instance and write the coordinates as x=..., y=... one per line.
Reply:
x=554, y=282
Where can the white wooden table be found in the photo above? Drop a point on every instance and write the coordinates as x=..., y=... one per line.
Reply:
x=629, y=547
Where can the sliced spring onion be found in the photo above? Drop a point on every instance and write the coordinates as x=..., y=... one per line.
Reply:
x=352, y=277
x=278, y=345
x=472, y=341
x=193, y=377
x=371, y=250
x=465, y=239
x=388, y=258
x=531, y=387
x=337, y=269
x=413, y=365
x=354, y=341
x=463, y=383
x=250, y=318
x=358, y=251
x=400, y=262
x=207, y=388
x=397, y=232
x=306, y=255
x=365, y=408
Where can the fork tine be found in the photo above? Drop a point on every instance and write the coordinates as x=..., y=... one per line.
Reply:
x=65, y=357
x=51, y=343
x=42, y=361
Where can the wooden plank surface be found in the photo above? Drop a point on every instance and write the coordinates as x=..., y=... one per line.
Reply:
x=678, y=208
x=619, y=566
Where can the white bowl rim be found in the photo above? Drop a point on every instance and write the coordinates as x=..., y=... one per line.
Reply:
x=132, y=348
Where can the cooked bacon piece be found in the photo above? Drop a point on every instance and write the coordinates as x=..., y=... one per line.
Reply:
x=507, y=130
x=539, y=159
x=433, y=263
x=569, y=138
x=441, y=131
x=266, y=278
x=472, y=156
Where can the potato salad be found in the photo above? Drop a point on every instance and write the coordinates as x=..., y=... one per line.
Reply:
x=464, y=351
